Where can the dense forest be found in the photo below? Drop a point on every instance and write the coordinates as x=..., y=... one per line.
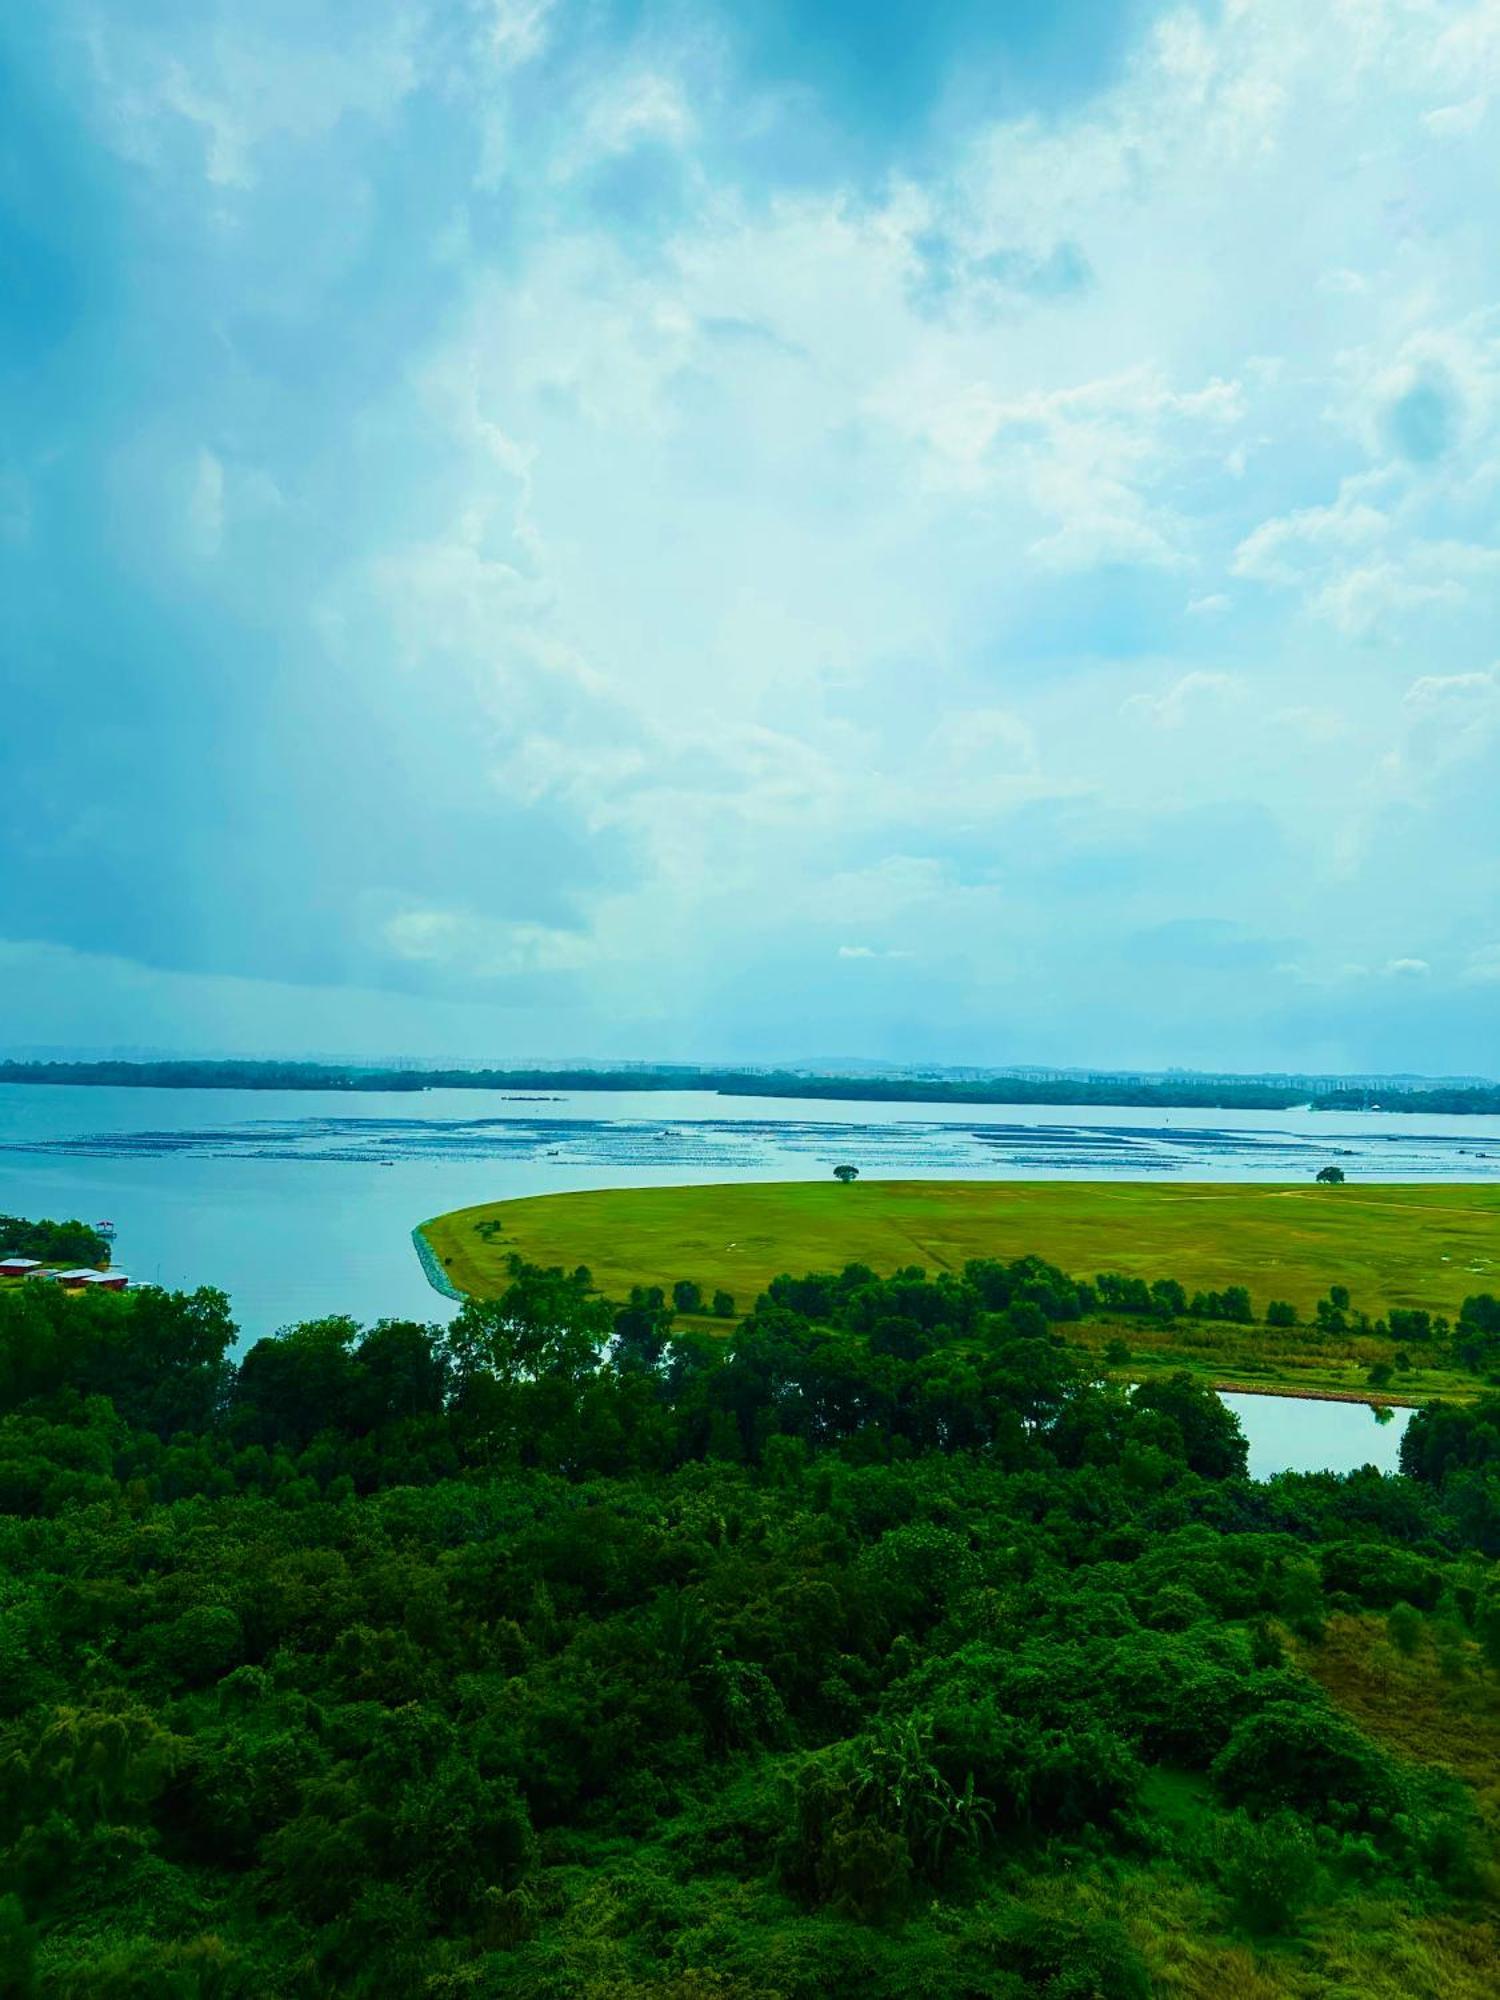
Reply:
x=870, y=1646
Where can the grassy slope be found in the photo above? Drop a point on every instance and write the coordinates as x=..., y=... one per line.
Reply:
x=1439, y=1706
x=1395, y=1245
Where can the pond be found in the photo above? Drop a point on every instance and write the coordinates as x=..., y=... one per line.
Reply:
x=1299, y=1434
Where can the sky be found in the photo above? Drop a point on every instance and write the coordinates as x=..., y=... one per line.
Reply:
x=935, y=533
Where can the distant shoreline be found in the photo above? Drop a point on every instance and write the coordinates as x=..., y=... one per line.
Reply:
x=1186, y=1094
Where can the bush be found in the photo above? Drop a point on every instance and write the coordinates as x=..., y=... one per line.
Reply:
x=1071, y=1961
x=1404, y=1628
x=1300, y=1756
x=1268, y=1869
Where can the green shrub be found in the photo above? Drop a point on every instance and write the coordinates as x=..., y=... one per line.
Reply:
x=1302, y=1756
x=1268, y=1869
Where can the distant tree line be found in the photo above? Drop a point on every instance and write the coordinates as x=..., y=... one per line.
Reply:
x=235, y=1075
x=1184, y=1092
x=1481, y=1098
x=1168, y=1093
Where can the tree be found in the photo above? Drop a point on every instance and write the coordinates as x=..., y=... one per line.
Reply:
x=52, y=1242
x=687, y=1297
x=546, y=1324
x=1280, y=1312
x=1212, y=1442
x=642, y=1327
x=1168, y=1299
x=1331, y=1176
x=723, y=1307
x=846, y=1174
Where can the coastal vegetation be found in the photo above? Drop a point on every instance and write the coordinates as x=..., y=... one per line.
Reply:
x=881, y=1649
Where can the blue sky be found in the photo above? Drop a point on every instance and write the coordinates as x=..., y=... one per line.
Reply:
x=962, y=533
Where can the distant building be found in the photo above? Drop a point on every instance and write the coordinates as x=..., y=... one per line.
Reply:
x=18, y=1267
x=87, y=1279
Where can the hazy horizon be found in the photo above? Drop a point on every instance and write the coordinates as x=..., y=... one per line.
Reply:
x=968, y=535
x=522, y=1061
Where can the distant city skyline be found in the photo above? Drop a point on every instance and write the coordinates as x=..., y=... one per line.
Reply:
x=708, y=531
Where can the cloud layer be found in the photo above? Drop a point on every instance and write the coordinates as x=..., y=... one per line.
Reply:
x=532, y=528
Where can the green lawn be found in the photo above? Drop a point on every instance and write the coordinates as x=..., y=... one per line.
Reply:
x=1395, y=1245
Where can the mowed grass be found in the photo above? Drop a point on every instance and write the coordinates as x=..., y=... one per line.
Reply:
x=1425, y=1245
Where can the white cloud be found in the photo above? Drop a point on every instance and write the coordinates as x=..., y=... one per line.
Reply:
x=1288, y=548
x=241, y=90
x=1186, y=699
x=517, y=30
x=648, y=106
x=1457, y=121
x=1449, y=719
x=994, y=738
x=481, y=947
x=1092, y=460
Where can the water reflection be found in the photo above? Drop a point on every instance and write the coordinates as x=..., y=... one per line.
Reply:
x=1297, y=1434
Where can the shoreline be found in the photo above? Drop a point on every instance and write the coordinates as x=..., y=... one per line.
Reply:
x=1373, y=1399
x=433, y=1271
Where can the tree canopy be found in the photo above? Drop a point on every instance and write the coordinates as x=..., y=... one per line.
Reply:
x=872, y=1645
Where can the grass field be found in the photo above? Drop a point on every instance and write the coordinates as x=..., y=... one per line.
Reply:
x=1423, y=1245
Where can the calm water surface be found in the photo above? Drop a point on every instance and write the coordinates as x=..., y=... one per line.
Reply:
x=300, y=1203
x=1292, y=1434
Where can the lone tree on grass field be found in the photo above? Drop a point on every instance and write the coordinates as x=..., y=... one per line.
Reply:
x=1331, y=1176
x=846, y=1174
